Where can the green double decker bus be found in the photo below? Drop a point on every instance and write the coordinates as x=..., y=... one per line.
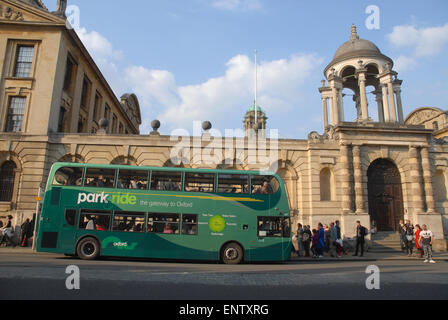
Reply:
x=164, y=213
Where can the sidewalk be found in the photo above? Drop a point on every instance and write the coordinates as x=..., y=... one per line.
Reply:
x=369, y=256
x=374, y=256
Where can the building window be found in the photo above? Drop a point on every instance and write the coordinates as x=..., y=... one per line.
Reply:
x=7, y=178
x=24, y=61
x=96, y=107
x=16, y=111
x=61, y=121
x=85, y=94
x=107, y=112
x=69, y=74
x=114, y=124
x=326, y=185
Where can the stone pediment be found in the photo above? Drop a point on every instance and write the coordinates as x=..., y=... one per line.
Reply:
x=26, y=11
x=423, y=115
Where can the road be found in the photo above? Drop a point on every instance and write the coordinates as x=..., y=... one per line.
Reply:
x=43, y=276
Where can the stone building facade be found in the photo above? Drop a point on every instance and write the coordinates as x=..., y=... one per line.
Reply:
x=380, y=170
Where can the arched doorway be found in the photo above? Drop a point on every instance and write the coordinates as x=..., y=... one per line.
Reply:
x=385, y=195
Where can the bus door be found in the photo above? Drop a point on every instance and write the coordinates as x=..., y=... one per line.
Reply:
x=67, y=235
x=270, y=241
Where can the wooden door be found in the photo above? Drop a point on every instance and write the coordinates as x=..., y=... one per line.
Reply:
x=385, y=195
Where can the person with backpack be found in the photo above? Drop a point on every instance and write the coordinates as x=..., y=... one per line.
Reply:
x=361, y=233
x=408, y=230
x=300, y=240
x=306, y=240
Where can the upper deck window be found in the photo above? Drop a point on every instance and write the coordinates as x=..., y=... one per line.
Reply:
x=264, y=184
x=166, y=180
x=199, y=182
x=100, y=178
x=233, y=183
x=133, y=179
x=68, y=176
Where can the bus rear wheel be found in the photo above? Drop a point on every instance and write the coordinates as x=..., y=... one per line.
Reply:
x=232, y=253
x=88, y=249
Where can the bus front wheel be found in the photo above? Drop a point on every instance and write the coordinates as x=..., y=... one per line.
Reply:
x=232, y=253
x=88, y=249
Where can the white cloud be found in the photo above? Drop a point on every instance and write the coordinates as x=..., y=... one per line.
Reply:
x=424, y=41
x=237, y=5
x=404, y=63
x=222, y=99
x=98, y=46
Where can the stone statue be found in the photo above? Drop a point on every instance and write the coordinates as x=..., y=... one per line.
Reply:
x=61, y=7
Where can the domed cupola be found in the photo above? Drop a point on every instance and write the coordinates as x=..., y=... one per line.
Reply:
x=358, y=64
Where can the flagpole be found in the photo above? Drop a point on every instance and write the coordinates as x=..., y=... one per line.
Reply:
x=256, y=90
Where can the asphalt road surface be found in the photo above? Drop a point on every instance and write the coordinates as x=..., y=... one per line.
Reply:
x=43, y=276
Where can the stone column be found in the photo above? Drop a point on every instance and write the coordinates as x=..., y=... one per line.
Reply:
x=359, y=187
x=385, y=103
x=347, y=197
x=392, y=109
x=416, y=180
x=379, y=101
x=362, y=89
x=325, y=112
x=341, y=105
x=399, y=106
x=427, y=178
x=335, y=105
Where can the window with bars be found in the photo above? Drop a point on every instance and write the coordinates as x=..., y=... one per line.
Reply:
x=24, y=61
x=7, y=177
x=16, y=111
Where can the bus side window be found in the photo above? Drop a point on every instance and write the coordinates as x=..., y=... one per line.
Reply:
x=95, y=220
x=199, y=182
x=264, y=185
x=129, y=221
x=190, y=224
x=166, y=180
x=68, y=176
x=166, y=223
x=100, y=178
x=233, y=183
x=272, y=227
x=133, y=179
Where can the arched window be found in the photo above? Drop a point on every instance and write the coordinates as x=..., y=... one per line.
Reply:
x=7, y=177
x=326, y=185
x=440, y=186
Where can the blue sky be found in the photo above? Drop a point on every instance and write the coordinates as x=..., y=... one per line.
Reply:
x=193, y=59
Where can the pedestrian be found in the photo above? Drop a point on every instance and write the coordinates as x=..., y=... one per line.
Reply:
x=7, y=232
x=300, y=239
x=426, y=241
x=400, y=232
x=339, y=242
x=361, y=233
x=327, y=238
x=417, y=241
x=315, y=243
x=333, y=239
x=306, y=240
x=408, y=229
x=26, y=231
x=321, y=243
